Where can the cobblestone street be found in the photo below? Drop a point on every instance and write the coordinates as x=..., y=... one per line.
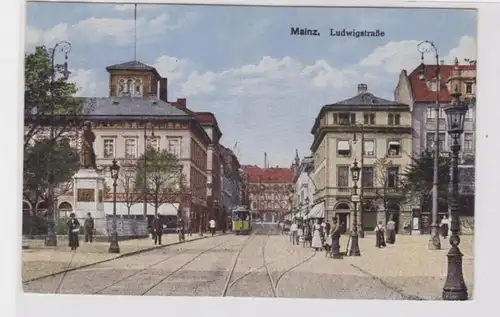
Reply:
x=266, y=266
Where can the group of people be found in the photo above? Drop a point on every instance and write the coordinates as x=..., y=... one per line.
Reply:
x=74, y=230
x=323, y=235
x=320, y=235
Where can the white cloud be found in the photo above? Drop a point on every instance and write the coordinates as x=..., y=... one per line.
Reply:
x=199, y=83
x=395, y=56
x=130, y=7
x=171, y=67
x=88, y=82
x=114, y=30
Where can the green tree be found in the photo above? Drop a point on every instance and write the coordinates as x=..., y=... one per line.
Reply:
x=417, y=179
x=47, y=92
x=164, y=178
x=40, y=157
x=127, y=184
x=381, y=183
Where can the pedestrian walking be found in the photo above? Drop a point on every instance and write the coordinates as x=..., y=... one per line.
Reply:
x=157, y=230
x=293, y=233
x=316, y=236
x=379, y=235
x=73, y=231
x=88, y=227
x=180, y=230
x=444, y=227
x=391, y=231
x=211, y=223
x=327, y=241
x=307, y=235
x=335, y=234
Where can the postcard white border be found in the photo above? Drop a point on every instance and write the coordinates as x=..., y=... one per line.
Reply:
x=486, y=223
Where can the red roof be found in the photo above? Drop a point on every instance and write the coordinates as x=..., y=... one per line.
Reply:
x=421, y=91
x=268, y=175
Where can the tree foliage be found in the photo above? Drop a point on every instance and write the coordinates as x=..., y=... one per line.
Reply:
x=381, y=181
x=127, y=184
x=47, y=92
x=417, y=179
x=40, y=157
x=165, y=181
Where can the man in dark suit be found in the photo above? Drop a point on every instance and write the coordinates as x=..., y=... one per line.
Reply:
x=157, y=230
x=88, y=227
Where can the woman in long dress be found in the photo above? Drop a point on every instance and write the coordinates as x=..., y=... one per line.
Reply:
x=335, y=234
x=316, y=238
x=73, y=230
x=444, y=227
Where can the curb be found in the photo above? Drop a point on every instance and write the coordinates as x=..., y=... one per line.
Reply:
x=124, y=255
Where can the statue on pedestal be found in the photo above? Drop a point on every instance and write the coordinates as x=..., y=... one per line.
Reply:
x=88, y=155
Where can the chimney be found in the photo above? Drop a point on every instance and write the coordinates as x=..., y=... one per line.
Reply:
x=441, y=62
x=181, y=103
x=163, y=89
x=158, y=89
x=362, y=88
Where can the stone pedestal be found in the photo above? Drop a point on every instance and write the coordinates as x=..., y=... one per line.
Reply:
x=88, y=195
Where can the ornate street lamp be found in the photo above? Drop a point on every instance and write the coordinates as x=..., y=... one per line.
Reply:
x=113, y=246
x=354, y=251
x=63, y=47
x=454, y=287
x=424, y=48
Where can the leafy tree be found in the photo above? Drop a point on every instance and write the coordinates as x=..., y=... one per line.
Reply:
x=381, y=183
x=165, y=181
x=126, y=182
x=47, y=92
x=40, y=157
x=417, y=179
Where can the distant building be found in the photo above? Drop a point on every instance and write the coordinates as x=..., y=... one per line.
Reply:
x=304, y=186
x=269, y=192
x=230, y=179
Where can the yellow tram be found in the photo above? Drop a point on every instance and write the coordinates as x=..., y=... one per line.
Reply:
x=241, y=220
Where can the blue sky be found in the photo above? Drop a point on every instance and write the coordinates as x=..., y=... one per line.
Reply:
x=241, y=63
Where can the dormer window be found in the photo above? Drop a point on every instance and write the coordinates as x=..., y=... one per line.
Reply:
x=343, y=148
x=344, y=118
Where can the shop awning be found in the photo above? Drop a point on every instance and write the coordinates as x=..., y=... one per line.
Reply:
x=317, y=211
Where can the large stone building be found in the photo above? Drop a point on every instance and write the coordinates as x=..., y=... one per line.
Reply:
x=137, y=114
x=269, y=192
x=231, y=179
x=419, y=90
x=383, y=128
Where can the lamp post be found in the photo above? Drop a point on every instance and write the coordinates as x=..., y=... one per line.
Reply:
x=63, y=47
x=354, y=251
x=113, y=246
x=424, y=48
x=361, y=232
x=454, y=286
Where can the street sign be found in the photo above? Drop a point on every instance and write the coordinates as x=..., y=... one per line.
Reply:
x=355, y=198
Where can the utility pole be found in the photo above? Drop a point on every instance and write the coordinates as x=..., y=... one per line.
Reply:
x=361, y=232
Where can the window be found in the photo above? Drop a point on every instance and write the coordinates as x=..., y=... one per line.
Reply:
x=442, y=142
x=367, y=176
x=345, y=118
x=468, y=142
x=369, y=118
x=342, y=176
x=394, y=148
x=174, y=146
x=109, y=148
x=254, y=205
x=369, y=148
x=442, y=114
x=394, y=119
x=429, y=141
x=468, y=114
x=130, y=148
x=430, y=114
x=154, y=143
x=392, y=177
x=468, y=88
x=343, y=148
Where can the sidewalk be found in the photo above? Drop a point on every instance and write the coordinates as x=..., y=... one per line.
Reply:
x=39, y=260
x=409, y=266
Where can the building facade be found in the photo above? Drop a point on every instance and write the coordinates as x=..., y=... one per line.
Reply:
x=419, y=89
x=377, y=134
x=304, y=187
x=269, y=192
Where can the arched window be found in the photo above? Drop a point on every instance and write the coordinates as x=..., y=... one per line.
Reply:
x=121, y=87
x=137, y=88
x=254, y=205
x=130, y=86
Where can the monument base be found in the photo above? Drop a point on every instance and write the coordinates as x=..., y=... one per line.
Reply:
x=88, y=186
